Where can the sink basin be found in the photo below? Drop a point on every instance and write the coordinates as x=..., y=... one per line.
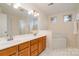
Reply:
x=4, y=41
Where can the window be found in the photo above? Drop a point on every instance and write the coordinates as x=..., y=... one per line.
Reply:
x=53, y=19
x=67, y=18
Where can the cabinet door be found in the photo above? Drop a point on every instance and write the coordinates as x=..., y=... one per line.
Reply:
x=40, y=44
x=14, y=54
x=9, y=51
x=24, y=49
x=34, y=53
x=25, y=52
x=44, y=42
x=34, y=47
x=23, y=45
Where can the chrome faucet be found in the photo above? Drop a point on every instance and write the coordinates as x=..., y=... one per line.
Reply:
x=10, y=38
x=35, y=34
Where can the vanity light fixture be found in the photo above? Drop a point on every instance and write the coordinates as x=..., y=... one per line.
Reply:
x=33, y=12
x=30, y=12
x=37, y=14
x=17, y=5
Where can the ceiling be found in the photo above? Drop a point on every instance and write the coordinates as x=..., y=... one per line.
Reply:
x=55, y=8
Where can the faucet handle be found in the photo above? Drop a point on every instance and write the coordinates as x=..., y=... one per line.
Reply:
x=10, y=38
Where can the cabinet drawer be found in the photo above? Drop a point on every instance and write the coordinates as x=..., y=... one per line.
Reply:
x=34, y=47
x=8, y=51
x=23, y=45
x=34, y=53
x=34, y=41
x=14, y=54
x=25, y=52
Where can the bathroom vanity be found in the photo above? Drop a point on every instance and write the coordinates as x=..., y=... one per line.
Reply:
x=24, y=47
x=22, y=32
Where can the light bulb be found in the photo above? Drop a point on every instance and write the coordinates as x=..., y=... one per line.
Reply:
x=30, y=12
x=16, y=5
x=37, y=14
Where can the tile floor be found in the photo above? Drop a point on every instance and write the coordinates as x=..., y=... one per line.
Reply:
x=61, y=52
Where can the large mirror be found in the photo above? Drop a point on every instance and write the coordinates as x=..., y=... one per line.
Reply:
x=3, y=24
x=33, y=24
x=16, y=21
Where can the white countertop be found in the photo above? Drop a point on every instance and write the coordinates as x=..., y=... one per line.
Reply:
x=17, y=40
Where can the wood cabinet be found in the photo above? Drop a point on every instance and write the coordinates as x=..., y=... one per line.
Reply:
x=34, y=47
x=31, y=48
x=13, y=54
x=24, y=52
x=24, y=49
x=42, y=43
x=9, y=51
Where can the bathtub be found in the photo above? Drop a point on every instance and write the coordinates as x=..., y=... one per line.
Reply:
x=59, y=41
